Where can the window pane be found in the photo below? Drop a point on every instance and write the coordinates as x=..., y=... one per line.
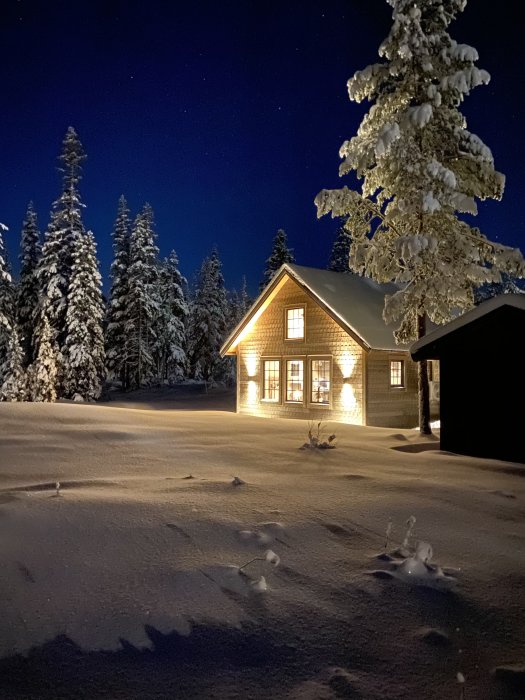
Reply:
x=271, y=380
x=396, y=373
x=320, y=381
x=295, y=323
x=294, y=380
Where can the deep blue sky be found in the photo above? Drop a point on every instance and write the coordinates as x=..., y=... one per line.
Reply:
x=226, y=116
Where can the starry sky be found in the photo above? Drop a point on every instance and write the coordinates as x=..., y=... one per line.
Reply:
x=227, y=117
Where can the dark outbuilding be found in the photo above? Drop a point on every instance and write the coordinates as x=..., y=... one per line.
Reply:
x=482, y=379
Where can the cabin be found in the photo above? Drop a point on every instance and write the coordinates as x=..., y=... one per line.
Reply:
x=314, y=345
x=482, y=379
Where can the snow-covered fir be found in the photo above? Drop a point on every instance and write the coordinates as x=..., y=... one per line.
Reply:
x=42, y=374
x=116, y=315
x=54, y=267
x=507, y=285
x=340, y=255
x=27, y=293
x=238, y=305
x=142, y=304
x=7, y=287
x=170, y=325
x=280, y=254
x=7, y=297
x=84, y=345
x=13, y=383
x=421, y=171
x=207, y=322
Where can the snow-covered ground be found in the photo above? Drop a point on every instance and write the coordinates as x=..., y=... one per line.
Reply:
x=126, y=584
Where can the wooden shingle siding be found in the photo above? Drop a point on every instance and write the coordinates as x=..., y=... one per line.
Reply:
x=323, y=338
x=389, y=406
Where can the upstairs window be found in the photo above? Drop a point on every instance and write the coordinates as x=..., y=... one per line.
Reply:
x=397, y=374
x=295, y=323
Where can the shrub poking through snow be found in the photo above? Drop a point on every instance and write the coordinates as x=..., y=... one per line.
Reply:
x=316, y=439
x=410, y=526
x=259, y=584
x=388, y=533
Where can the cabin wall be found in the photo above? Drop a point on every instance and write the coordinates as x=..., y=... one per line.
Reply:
x=323, y=337
x=387, y=406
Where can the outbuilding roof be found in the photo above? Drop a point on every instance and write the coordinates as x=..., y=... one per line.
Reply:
x=419, y=349
x=355, y=302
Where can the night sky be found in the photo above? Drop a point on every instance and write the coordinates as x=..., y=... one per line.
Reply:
x=226, y=117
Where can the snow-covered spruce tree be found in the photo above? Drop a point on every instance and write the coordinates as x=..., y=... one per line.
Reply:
x=54, y=267
x=170, y=328
x=340, y=256
x=7, y=300
x=280, y=254
x=42, y=374
x=116, y=347
x=7, y=287
x=13, y=377
x=207, y=322
x=27, y=296
x=238, y=305
x=420, y=168
x=142, y=304
x=507, y=285
x=84, y=344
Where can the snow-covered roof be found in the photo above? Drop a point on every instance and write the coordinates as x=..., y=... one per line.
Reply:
x=353, y=301
x=486, y=307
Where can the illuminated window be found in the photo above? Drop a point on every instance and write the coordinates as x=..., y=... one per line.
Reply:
x=320, y=381
x=271, y=380
x=397, y=373
x=295, y=323
x=295, y=380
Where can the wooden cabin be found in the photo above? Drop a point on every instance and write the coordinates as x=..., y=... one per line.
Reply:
x=314, y=346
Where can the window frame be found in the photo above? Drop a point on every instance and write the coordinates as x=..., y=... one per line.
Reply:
x=311, y=359
x=403, y=385
x=294, y=358
x=271, y=358
x=292, y=307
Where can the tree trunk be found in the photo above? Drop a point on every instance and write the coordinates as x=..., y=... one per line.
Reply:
x=423, y=386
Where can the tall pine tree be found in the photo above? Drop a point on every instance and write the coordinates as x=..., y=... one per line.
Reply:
x=27, y=296
x=116, y=337
x=280, y=254
x=84, y=344
x=13, y=383
x=340, y=256
x=208, y=322
x=170, y=331
x=42, y=374
x=54, y=268
x=142, y=304
x=421, y=171
x=7, y=298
